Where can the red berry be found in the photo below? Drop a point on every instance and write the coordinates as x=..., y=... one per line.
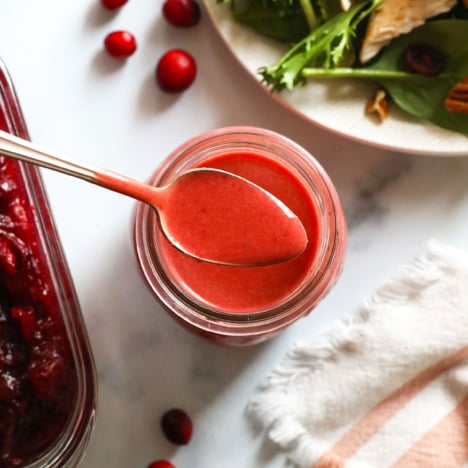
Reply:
x=181, y=13
x=176, y=71
x=120, y=44
x=177, y=426
x=113, y=4
x=424, y=59
x=161, y=464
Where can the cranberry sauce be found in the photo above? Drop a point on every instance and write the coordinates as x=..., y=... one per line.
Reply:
x=37, y=379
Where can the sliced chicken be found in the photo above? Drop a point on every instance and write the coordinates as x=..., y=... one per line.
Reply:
x=395, y=17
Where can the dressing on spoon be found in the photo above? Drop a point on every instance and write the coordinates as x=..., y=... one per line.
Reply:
x=208, y=214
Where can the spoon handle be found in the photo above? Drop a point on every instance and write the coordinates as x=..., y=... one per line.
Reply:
x=18, y=148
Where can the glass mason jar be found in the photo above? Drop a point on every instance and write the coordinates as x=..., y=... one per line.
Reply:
x=243, y=306
x=47, y=378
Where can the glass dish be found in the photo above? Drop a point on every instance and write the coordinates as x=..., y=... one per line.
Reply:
x=243, y=306
x=47, y=373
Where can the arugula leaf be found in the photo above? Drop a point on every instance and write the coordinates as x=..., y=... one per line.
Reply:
x=325, y=47
x=424, y=97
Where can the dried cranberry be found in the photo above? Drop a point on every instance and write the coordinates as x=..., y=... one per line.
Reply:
x=181, y=13
x=177, y=426
x=175, y=71
x=161, y=464
x=424, y=59
x=113, y=4
x=120, y=44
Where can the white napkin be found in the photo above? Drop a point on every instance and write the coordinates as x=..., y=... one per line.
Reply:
x=386, y=388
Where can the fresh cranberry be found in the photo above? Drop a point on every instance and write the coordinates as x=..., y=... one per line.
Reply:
x=120, y=44
x=424, y=59
x=177, y=426
x=113, y=4
x=181, y=13
x=161, y=464
x=176, y=71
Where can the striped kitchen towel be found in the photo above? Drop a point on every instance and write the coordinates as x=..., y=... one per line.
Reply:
x=387, y=387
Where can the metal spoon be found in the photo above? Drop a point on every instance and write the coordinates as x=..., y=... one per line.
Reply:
x=209, y=214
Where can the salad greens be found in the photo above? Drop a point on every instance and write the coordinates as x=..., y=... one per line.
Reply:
x=330, y=39
x=324, y=48
x=283, y=20
x=424, y=97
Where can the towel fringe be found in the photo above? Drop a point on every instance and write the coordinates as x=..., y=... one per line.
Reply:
x=270, y=407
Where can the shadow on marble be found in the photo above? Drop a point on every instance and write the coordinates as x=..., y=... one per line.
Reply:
x=98, y=16
x=146, y=362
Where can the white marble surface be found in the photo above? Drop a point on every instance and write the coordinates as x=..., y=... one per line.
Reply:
x=77, y=100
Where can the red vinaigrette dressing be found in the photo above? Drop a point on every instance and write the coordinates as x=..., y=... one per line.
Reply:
x=246, y=290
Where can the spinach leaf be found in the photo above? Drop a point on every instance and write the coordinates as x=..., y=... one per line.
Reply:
x=424, y=97
x=282, y=20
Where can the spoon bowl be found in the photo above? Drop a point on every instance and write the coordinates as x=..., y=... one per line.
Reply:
x=209, y=214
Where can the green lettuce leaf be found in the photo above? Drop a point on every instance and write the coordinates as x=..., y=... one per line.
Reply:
x=424, y=97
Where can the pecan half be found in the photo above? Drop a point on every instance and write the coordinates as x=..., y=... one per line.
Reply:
x=378, y=105
x=457, y=99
